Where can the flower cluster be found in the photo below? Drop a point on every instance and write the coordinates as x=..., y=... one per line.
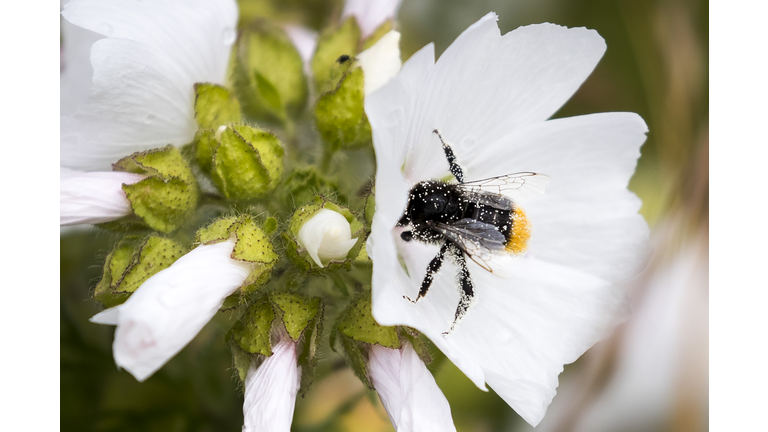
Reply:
x=224, y=201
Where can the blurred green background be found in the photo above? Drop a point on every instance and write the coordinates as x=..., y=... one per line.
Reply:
x=655, y=65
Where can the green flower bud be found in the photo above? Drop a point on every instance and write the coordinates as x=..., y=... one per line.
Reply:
x=303, y=183
x=268, y=73
x=215, y=106
x=340, y=114
x=246, y=162
x=168, y=195
x=323, y=234
x=131, y=263
x=332, y=44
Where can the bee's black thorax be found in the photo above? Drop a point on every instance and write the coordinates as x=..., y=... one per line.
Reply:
x=433, y=201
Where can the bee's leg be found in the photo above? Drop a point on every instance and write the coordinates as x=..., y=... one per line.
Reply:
x=432, y=268
x=467, y=291
x=452, y=164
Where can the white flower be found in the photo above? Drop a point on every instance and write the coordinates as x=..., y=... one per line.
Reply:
x=76, y=70
x=305, y=41
x=381, y=62
x=490, y=96
x=326, y=236
x=95, y=197
x=172, y=306
x=143, y=74
x=370, y=14
x=408, y=391
x=270, y=390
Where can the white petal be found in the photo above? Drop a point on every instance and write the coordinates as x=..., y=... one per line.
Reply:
x=408, y=391
x=485, y=85
x=144, y=71
x=171, y=307
x=107, y=316
x=76, y=70
x=381, y=61
x=96, y=197
x=305, y=41
x=587, y=220
x=326, y=236
x=370, y=14
x=270, y=390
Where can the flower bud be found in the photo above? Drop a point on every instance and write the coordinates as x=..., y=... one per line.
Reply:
x=168, y=195
x=323, y=234
x=326, y=236
x=246, y=162
x=94, y=197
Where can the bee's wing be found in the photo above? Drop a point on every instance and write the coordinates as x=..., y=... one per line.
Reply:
x=515, y=186
x=476, y=239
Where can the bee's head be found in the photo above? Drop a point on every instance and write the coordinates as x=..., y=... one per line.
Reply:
x=427, y=200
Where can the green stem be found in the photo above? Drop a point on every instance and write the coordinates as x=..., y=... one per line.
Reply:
x=325, y=163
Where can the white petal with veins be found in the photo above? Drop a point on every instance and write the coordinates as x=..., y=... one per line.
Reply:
x=143, y=74
x=95, y=197
x=168, y=310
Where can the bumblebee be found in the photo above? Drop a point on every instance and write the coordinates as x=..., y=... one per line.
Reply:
x=468, y=219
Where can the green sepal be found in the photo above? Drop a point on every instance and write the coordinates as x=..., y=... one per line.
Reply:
x=383, y=29
x=340, y=114
x=370, y=207
x=247, y=162
x=298, y=311
x=252, y=333
x=215, y=106
x=268, y=73
x=304, y=182
x=241, y=362
x=270, y=226
x=332, y=44
x=357, y=323
x=131, y=263
x=251, y=245
x=307, y=358
x=205, y=145
x=357, y=358
x=417, y=341
x=168, y=195
x=300, y=256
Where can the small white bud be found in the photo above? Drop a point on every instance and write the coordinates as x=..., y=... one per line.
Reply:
x=326, y=236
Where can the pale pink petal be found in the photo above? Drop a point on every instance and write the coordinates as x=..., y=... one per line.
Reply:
x=270, y=390
x=173, y=305
x=408, y=391
x=370, y=14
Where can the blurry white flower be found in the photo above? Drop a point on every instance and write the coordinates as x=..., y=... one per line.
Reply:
x=95, y=197
x=370, y=14
x=326, y=236
x=305, y=41
x=490, y=96
x=172, y=306
x=408, y=391
x=143, y=74
x=381, y=62
x=270, y=390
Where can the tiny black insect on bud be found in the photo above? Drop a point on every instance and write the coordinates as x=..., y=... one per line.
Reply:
x=342, y=59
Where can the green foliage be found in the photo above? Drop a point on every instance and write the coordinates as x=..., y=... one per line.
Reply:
x=205, y=144
x=340, y=113
x=215, y=106
x=168, y=196
x=304, y=182
x=131, y=263
x=332, y=44
x=268, y=73
x=247, y=162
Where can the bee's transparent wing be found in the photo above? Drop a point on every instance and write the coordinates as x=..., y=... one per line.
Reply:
x=516, y=186
x=478, y=240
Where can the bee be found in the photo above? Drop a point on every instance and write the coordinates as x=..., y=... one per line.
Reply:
x=468, y=219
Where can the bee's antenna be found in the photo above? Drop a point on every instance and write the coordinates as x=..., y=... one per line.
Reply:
x=452, y=164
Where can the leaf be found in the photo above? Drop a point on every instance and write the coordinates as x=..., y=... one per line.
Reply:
x=215, y=106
